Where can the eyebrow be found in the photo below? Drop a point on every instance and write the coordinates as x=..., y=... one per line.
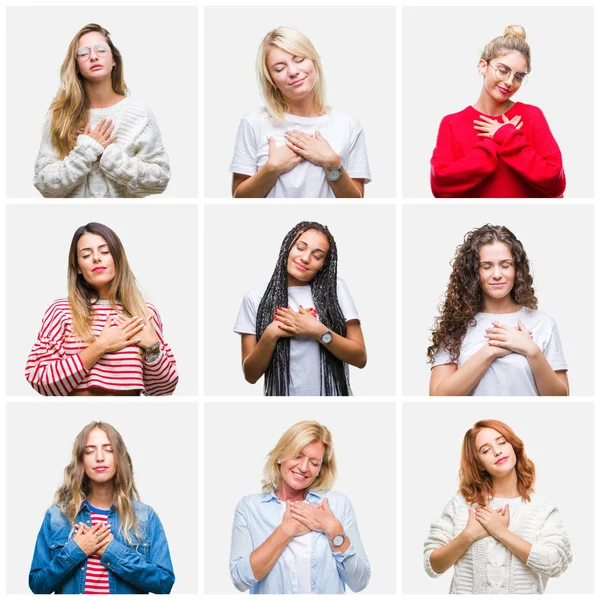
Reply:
x=320, y=460
x=500, y=437
x=93, y=446
x=89, y=249
x=489, y=262
x=517, y=72
x=315, y=250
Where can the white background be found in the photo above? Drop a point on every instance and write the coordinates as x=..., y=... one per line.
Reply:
x=558, y=438
x=241, y=248
x=165, y=463
x=442, y=46
x=366, y=474
x=158, y=47
x=562, y=265
x=357, y=50
x=162, y=259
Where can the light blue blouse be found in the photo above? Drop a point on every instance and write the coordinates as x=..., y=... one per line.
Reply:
x=257, y=516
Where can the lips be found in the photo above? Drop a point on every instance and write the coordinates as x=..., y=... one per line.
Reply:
x=297, y=83
x=98, y=269
x=504, y=90
x=96, y=67
x=497, y=284
x=299, y=475
x=100, y=469
x=301, y=266
x=501, y=461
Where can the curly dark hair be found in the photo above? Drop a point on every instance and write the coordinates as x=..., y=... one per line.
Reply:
x=464, y=297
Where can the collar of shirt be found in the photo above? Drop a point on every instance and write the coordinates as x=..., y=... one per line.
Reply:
x=311, y=497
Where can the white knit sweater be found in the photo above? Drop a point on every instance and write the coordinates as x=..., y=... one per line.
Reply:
x=488, y=567
x=134, y=166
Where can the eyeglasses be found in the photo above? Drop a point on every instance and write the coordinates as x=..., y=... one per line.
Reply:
x=503, y=73
x=84, y=52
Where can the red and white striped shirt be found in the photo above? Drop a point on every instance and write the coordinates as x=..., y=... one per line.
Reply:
x=96, y=574
x=54, y=367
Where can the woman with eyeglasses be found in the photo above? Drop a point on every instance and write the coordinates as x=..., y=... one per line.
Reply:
x=98, y=142
x=498, y=148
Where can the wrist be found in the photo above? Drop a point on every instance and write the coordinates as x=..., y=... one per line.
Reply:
x=319, y=330
x=332, y=162
x=272, y=169
x=332, y=529
x=533, y=351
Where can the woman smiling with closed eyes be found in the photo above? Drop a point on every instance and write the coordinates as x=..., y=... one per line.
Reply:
x=296, y=146
x=498, y=148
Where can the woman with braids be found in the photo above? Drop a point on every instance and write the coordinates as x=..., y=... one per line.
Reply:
x=97, y=537
x=296, y=146
x=490, y=339
x=302, y=330
x=498, y=148
x=98, y=142
x=496, y=533
x=104, y=339
x=298, y=536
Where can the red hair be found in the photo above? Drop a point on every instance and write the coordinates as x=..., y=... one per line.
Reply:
x=476, y=484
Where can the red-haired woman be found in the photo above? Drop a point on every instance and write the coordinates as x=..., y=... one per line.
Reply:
x=499, y=536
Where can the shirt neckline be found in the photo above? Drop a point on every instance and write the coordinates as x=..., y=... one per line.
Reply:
x=93, y=509
x=488, y=314
x=288, y=118
x=109, y=109
x=477, y=112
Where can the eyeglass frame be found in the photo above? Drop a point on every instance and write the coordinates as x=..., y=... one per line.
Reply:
x=86, y=57
x=519, y=83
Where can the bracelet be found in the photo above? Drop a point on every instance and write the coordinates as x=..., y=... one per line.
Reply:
x=152, y=348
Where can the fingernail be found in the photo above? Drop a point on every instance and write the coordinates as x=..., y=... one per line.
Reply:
x=279, y=326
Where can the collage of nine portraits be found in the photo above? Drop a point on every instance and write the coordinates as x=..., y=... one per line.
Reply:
x=335, y=222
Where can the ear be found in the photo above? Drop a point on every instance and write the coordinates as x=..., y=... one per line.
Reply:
x=481, y=66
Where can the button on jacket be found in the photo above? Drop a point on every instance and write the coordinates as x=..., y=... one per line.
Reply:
x=257, y=516
x=59, y=564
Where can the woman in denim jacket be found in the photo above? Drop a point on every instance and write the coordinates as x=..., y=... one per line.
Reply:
x=98, y=537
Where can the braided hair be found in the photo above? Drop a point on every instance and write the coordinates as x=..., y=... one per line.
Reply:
x=333, y=371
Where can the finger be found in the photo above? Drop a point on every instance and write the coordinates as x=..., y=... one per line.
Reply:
x=489, y=135
x=520, y=125
x=287, y=329
x=481, y=123
x=112, y=139
x=107, y=123
x=505, y=119
x=499, y=325
x=496, y=336
x=296, y=149
x=522, y=326
x=272, y=144
x=487, y=119
x=86, y=129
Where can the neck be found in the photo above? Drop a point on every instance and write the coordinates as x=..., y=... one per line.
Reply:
x=293, y=282
x=488, y=106
x=285, y=493
x=506, y=487
x=101, y=94
x=101, y=495
x=103, y=293
x=500, y=306
x=303, y=107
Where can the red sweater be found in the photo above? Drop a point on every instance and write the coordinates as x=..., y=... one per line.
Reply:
x=516, y=163
x=54, y=367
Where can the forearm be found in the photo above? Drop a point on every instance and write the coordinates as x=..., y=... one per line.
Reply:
x=465, y=378
x=92, y=354
x=344, y=187
x=348, y=351
x=548, y=383
x=263, y=559
x=257, y=362
x=444, y=557
x=259, y=184
x=517, y=545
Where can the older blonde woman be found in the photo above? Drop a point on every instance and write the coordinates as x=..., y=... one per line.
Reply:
x=296, y=146
x=297, y=537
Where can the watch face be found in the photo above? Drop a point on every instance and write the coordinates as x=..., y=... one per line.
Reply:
x=326, y=338
x=334, y=174
x=338, y=540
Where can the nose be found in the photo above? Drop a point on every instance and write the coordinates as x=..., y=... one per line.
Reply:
x=293, y=70
x=303, y=466
x=510, y=79
x=497, y=274
x=100, y=456
x=97, y=257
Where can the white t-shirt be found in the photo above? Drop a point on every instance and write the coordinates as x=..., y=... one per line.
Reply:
x=305, y=357
x=509, y=375
x=305, y=180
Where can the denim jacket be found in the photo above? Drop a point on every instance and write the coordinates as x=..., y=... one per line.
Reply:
x=59, y=564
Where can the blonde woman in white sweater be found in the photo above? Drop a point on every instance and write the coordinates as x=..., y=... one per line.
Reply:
x=500, y=538
x=97, y=141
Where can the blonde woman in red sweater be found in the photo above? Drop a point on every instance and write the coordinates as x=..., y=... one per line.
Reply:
x=104, y=339
x=498, y=148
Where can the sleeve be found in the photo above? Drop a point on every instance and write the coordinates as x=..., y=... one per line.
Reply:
x=48, y=572
x=539, y=160
x=147, y=171
x=246, y=319
x=358, y=161
x=353, y=565
x=452, y=177
x=553, y=350
x=49, y=370
x=440, y=533
x=245, y=152
x=442, y=357
x=551, y=554
x=55, y=178
x=160, y=377
x=241, y=548
x=154, y=575
x=346, y=301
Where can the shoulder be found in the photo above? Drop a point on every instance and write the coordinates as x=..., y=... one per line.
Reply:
x=458, y=117
x=55, y=517
x=337, y=498
x=538, y=317
x=142, y=511
x=456, y=504
x=250, y=500
x=59, y=309
x=255, y=293
x=137, y=108
x=153, y=310
x=256, y=116
x=527, y=109
x=342, y=119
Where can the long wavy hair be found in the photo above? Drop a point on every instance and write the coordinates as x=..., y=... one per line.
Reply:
x=334, y=372
x=476, y=483
x=464, y=296
x=289, y=445
x=123, y=288
x=71, y=495
x=296, y=43
x=69, y=109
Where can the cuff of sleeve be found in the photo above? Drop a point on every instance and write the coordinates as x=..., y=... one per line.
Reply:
x=242, y=170
x=89, y=146
x=108, y=160
x=428, y=568
x=245, y=571
x=157, y=364
x=342, y=556
x=110, y=556
x=503, y=133
x=80, y=364
x=74, y=552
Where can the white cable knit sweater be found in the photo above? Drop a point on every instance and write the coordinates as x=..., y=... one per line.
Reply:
x=134, y=166
x=488, y=567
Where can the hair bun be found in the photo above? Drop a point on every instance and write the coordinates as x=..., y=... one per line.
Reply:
x=515, y=31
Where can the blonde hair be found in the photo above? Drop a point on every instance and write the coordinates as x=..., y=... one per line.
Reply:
x=289, y=446
x=296, y=43
x=513, y=40
x=123, y=287
x=71, y=105
x=71, y=495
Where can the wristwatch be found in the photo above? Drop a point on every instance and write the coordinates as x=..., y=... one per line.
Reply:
x=152, y=354
x=335, y=173
x=326, y=337
x=338, y=540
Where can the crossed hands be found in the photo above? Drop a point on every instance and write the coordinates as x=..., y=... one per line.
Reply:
x=484, y=521
x=301, y=518
x=505, y=339
x=301, y=146
x=93, y=540
x=102, y=133
x=288, y=323
x=488, y=127
x=120, y=332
